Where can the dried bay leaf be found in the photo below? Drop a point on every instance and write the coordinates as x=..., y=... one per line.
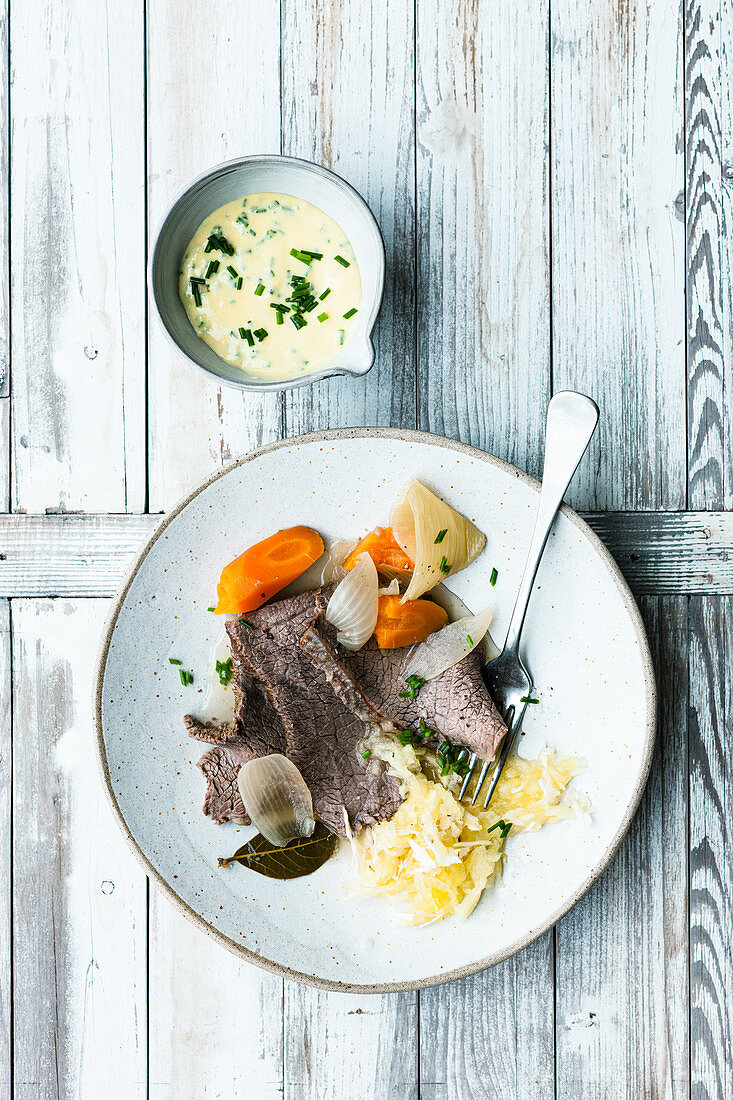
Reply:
x=299, y=857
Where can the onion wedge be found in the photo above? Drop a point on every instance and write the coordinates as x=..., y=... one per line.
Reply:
x=448, y=646
x=438, y=539
x=354, y=605
x=277, y=799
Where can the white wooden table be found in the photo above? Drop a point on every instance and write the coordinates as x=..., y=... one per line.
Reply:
x=554, y=180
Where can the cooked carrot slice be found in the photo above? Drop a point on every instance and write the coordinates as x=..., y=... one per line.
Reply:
x=400, y=624
x=384, y=551
x=260, y=572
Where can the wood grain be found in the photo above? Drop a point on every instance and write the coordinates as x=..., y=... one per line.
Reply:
x=711, y=847
x=708, y=73
x=618, y=244
x=348, y=103
x=622, y=953
x=222, y=102
x=6, y=880
x=79, y=897
x=77, y=222
x=482, y=224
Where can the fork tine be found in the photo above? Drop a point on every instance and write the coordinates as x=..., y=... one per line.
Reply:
x=468, y=776
x=481, y=778
x=498, y=764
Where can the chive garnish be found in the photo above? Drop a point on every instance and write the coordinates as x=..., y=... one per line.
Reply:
x=224, y=671
x=247, y=335
x=322, y=317
x=213, y=267
x=367, y=752
x=196, y=291
x=173, y=661
x=444, y=567
x=211, y=609
x=469, y=639
x=414, y=683
x=238, y=284
x=280, y=318
x=492, y=578
x=260, y=333
x=244, y=622
x=340, y=336
x=259, y=289
x=304, y=257
x=298, y=321
x=195, y=279
x=280, y=307
x=528, y=699
x=313, y=255
x=441, y=535
x=186, y=678
x=342, y=261
x=233, y=272
x=325, y=294
x=350, y=312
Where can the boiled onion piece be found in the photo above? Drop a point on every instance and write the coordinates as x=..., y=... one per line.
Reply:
x=353, y=607
x=418, y=518
x=276, y=798
x=448, y=646
x=336, y=554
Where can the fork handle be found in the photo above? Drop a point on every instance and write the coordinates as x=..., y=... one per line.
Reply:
x=571, y=421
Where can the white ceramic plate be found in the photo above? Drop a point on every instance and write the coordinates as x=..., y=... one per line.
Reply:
x=584, y=643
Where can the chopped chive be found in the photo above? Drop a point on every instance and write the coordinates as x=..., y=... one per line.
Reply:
x=233, y=272
x=342, y=261
x=238, y=284
x=196, y=291
x=242, y=333
x=367, y=752
x=444, y=567
x=469, y=639
x=505, y=830
x=244, y=622
x=313, y=255
x=173, y=661
x=280, y=318
x=340, y=336
x=280, y=307
x=247, y=334
x=414, y=683
x=260, y=333
x=259, y=289
x=299, y=321
x=208, y=246
x=304, y=257
x=322, y=317
x=441, y=535
x=212, y=268
x=195, y=279
x=528, y=699
x=492, y=578
x=350, y=312
x=211, y=609
x=500, y=824
x=325, y=294
x=186, y=678
x=308, y=305
x=295, y=279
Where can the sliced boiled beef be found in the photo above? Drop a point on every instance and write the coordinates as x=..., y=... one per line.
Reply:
x=299, y=693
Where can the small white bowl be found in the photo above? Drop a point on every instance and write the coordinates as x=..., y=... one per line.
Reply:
x=246, y=176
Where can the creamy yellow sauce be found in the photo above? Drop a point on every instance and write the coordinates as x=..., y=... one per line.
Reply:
x=239, y=265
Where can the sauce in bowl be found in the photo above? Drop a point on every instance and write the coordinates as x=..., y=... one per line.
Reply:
x=271, y=284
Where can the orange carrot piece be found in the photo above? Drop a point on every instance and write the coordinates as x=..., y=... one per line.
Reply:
x=401, y=624
x=383, y=549
x=260, y=572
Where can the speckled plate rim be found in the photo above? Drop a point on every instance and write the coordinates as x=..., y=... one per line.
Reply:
x=404, y=435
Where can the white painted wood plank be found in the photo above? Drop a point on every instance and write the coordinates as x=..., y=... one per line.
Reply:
x=213, y=94
x=709, y=207
x=711, y=850
x=622, y=953
x=215, y=1022
x=348, y=103
x=482, y=224
x=658, y=552
x=77, y=287
x=4, y=208
x=345, y=1045
x=6, y=881
x=483, y=376
x=618, y=244
x=492, y=1035
x=79, y=897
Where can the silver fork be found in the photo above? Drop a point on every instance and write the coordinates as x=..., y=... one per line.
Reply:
x=571, y=421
